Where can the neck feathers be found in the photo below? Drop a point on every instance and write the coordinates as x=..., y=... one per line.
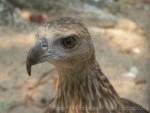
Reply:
x=86, y=86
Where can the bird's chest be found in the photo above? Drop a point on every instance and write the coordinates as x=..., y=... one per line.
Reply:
x=76, y=109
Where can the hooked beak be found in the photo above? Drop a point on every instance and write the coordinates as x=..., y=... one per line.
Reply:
x=35, y=56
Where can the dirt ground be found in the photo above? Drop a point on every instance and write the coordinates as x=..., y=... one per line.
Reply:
x=122, y=51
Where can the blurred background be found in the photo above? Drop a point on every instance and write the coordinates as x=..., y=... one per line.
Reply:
x=121, y=34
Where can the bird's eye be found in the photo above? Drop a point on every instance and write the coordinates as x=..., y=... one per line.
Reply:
x=69, y=42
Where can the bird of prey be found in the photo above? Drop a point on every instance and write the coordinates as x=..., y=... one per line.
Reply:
x=83, y=88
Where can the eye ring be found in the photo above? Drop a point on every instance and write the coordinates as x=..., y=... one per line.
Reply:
x=69, y=42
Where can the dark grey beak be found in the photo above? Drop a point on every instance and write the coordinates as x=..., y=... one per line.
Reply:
x=34, y=56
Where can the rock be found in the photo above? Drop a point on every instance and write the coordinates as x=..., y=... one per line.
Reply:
x=140, y=80
x=91, y=12
x=9, y=15
x=132, y=73
x=25, y=109
x=129, y=25
x=136, y=50
x=125, y=41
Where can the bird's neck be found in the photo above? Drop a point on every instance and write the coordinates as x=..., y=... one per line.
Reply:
x=85, y=85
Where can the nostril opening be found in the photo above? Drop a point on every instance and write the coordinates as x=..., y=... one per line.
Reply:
x=44, y=46
x=44, y=43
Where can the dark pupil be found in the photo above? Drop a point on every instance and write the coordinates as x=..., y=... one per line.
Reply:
x=69, y=42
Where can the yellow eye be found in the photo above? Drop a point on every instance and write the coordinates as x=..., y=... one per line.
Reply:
x=69, y=42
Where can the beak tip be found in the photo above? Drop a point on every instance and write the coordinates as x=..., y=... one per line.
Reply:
x=28, y=67
x=29, y=73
